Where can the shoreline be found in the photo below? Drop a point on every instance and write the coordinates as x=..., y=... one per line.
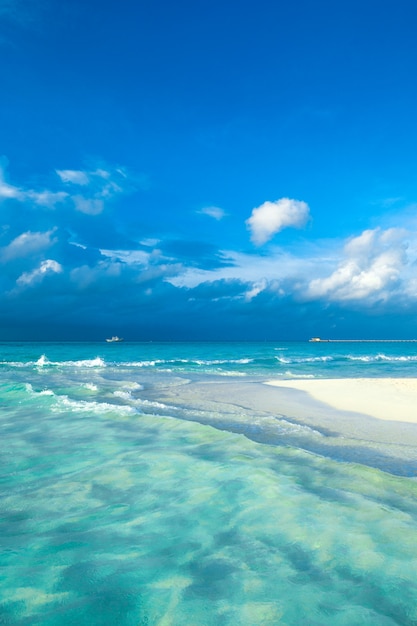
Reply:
x=393, y=399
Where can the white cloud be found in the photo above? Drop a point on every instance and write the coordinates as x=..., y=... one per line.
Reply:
x=76, y=177
x=43, y=198
x=26, y=244
x=377, y=266
x=372, y=266
x=256, y=289
x=85, y=276
x=46, y=198
x=91, y=206
x=37, y=275
x=130, y=257
x=271, y=217
x=98, y=187
x=248, y=268
x=213, y=211
x=8, y=191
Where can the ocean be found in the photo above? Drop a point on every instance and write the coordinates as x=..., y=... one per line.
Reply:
x=164, y=484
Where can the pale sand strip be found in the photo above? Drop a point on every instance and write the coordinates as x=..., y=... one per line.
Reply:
x=383, y=398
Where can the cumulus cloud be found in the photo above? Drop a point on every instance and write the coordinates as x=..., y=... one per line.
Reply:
x=26, y=244
x=213, y=211
x=49, y=266
x=376, y=267
x=272, y=217
x=372, y=267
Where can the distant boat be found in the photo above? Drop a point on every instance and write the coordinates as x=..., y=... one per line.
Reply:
x=114, y=339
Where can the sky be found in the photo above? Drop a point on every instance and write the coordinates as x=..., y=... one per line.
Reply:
x=208, y=170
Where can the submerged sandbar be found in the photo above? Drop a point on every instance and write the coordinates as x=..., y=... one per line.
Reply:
x=383, y=398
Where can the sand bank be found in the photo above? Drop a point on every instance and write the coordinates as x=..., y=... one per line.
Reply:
x=384, y=398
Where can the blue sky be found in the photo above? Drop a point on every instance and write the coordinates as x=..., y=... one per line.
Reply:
x=208, y=170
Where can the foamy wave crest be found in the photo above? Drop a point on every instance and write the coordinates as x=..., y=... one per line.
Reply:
x=90, y=386
x=155, y=405
x=299, y=428
x=289, y=374
x=124, y=395
x=220, y=361
x=133, y=386
x=97, y=362
x=298, y=360
x=44, y=392
x=383, y=357
x=91, y=407
x=223, y=373
x=151, y=363
x=43, y=361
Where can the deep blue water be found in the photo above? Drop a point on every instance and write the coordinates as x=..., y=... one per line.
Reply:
x=144, y=483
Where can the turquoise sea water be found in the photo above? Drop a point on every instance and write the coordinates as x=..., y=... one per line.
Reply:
x=166, y=485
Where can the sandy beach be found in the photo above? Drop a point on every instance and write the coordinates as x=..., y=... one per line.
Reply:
x=383, y=398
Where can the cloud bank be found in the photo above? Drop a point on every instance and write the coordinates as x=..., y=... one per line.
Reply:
x=72, y=249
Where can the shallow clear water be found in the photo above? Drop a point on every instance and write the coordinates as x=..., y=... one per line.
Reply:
x=140, y=486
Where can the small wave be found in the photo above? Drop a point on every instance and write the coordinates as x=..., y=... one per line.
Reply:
x=154, y=404
x=44, y=392
x=282, y=359
x=133, y=386
x=300, y=360
x=290, y=374
x=97, y=362
x=90, y=386
x=233, y=374
x=299, y=428
x=151, y=363
x=42, y=361
x=382, y=357
x=124, y=395
x=78, y=405
x=91, y=407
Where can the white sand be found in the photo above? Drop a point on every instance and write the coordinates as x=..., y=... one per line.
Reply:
x=383, y=398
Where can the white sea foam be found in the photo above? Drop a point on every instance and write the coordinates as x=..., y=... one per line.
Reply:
x=290, y=374
x=97, y=362
x=42, y=361
x=315, y=359
x=44, y=392
x=90, y=386
x=155, y=405
x=124, y=395
x=150, y=363
x=91, y=407
x=282, y=359
x=374, y=358
x=224, y=373
x=133, y=386
x=300, y=428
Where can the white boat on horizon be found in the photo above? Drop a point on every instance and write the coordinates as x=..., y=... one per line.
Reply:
x=115, y=339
